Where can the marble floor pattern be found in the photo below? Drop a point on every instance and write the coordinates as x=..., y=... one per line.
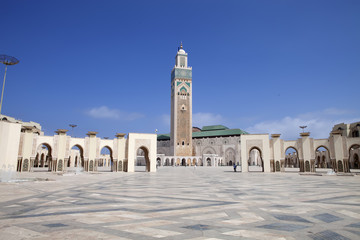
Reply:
x=181, y=203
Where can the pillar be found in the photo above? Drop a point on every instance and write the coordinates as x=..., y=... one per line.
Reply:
x=61, y=151
x=277, y=151
x=27, y=145
x=121, y=142
x=90, y=163
x=339, y=163
x=306, y=163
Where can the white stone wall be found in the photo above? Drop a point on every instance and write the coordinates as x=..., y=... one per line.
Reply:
x=9, y=145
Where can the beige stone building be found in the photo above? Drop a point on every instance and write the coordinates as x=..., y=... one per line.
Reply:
x=24, y=147
x=220, y=146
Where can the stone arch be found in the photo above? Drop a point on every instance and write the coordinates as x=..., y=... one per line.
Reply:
x=105, y=162
x=194, y=162
x=208, y=150
x=78, y=162
x=145, y=150
x=45, y=149
x=230, y=155
x=158, y=161
x=208, y=161
x=188, y=162
x=354, y=152
x=324, y=160
x=291, y=159
x=255, y=162
x=183, y=162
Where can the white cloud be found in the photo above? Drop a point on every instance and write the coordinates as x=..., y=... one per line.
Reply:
x=319, y=124
x=205, y=119
x=107, y=113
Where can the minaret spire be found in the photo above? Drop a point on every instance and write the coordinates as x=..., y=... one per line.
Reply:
x=181, y=47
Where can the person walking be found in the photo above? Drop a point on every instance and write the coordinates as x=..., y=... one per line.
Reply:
x=235, y=167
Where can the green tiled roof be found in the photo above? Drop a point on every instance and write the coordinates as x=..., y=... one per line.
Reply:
x=163, y=137
x=218, y=133
x=210, y=133
x=214, y=127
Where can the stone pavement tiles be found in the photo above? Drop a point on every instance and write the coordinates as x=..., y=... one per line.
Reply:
x=181, y=203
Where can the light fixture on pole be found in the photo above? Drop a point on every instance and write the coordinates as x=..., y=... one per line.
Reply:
x=72, y=128
x=303, y=127
x=6, y=60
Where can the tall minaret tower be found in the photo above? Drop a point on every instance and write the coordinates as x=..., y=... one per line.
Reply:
x=181, y=106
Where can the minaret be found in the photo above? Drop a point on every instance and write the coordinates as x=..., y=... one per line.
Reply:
x=181, y=106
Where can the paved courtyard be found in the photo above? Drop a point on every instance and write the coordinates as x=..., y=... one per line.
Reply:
x=181, y=203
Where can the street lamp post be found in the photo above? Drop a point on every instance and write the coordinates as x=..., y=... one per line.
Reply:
x=72, y=128
x=6, y=60
x=303, y=127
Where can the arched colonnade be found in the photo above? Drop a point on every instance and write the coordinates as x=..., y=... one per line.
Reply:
x=61, y=152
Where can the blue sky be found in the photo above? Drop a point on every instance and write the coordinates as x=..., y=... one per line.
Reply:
x=262, y=66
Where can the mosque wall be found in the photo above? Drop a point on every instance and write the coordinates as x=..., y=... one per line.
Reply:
x=339, y=153
x=9, y=145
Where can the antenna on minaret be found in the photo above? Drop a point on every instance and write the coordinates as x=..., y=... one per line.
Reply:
x=181, y=47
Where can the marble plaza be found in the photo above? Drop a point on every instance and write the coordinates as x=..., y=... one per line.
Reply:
x=180, y=203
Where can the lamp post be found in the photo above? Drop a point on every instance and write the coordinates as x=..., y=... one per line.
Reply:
x=303, y=127
x=6, y=60
x=72, y=128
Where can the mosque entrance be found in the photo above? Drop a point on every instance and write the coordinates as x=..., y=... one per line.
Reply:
x=43, y=159
x=322, y=158
x=106, y=162
x=354, y=154
x=291, y=163
x=229, y=157
x=255, y=162
x=142, y=163
x=76, y=158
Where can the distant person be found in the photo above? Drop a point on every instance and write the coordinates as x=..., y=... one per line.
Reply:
x=235, y=167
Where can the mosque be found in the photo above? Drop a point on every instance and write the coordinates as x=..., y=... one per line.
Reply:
x=24, y=147
x=220, y=146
